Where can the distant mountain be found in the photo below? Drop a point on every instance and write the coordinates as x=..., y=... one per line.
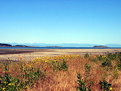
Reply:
x=21, y=46
x=5, y=45
x=101, y=46
x=62, y=44
x=9, y=45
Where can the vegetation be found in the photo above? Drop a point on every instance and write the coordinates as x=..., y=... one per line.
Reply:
x=62, y=73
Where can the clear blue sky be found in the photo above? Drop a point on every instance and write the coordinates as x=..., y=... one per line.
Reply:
x=60, y=21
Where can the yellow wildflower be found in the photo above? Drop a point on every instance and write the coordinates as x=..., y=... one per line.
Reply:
x=46, y=60
x=110, y=88
x=55, y=60
x=104, y=56
x=3, y=89
x=11, y=84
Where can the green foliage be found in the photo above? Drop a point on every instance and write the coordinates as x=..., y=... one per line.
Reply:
x=106, y=63
x=111, y=56
x=86, y=55
x=87, y=68
x=31, y=75
x=27, y=77
x=81, y=84
x=8, y=83
x=118, y=57
x=84, y=84
x=59, y=65
x=106, y=60
x=105, y=86
x=119, y=66
x=100, y=57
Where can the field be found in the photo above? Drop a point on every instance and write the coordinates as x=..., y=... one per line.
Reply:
x=61, y=70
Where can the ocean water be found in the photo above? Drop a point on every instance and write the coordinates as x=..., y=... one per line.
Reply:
x=59, y=48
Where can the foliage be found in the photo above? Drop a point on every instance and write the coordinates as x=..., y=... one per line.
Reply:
x=12, y=81
x=86, y=55
x=106, y=63
x=58, y=65
x=81, y=84
x=105, y=86
x=21, y=75
x=87, y=70
x=9, y=83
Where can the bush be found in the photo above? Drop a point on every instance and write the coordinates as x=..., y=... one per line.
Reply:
x=87, y=68
x=59, y=65
x=81, y=84
x=86, y=55
x=27, y=76
x=8, y=83
x=105, y=86
x=106, y=63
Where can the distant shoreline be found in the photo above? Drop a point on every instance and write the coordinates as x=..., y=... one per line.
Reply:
x=29, y=54
x=66, y=51
x=28, y=47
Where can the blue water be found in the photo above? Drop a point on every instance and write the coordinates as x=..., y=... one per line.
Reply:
x=58, y=48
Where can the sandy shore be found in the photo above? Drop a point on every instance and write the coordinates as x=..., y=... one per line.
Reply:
x=29, y=54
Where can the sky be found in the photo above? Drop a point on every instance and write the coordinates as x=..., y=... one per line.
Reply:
x=60, y=21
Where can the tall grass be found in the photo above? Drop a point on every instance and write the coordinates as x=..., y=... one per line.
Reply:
x=62, y=73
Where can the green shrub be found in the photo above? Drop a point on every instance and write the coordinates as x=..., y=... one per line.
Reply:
x=111, y=56
x=59, y=65
x=105, y=86
x=8, y=83
x=31, y=76
x=87, y=72
x=26, y=77
x=100, y=58
x=81, y=84
x=86, y=55
x=87, y=68
x=106, y=63
x=119, y=66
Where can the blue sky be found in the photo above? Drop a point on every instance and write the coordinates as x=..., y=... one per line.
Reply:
x=60, y=21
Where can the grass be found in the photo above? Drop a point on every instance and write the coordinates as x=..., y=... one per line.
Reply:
x=62, y=73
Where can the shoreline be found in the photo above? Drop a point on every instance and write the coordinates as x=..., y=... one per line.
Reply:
x=30, y=54
x=24, y=51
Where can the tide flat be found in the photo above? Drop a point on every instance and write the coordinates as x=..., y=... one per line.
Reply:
x=29, y=54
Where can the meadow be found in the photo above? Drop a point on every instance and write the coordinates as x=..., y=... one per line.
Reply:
x=96, y=72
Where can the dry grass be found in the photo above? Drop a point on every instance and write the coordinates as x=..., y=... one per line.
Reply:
x=66, y=80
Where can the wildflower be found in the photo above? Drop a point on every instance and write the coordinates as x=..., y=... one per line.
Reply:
x=46, y=60
x=110, y=88
x=55, y=60
x=3, y=89
x=11, y=84
x=104, y=56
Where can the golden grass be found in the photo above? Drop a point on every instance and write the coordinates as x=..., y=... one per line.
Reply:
x=66, y=80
